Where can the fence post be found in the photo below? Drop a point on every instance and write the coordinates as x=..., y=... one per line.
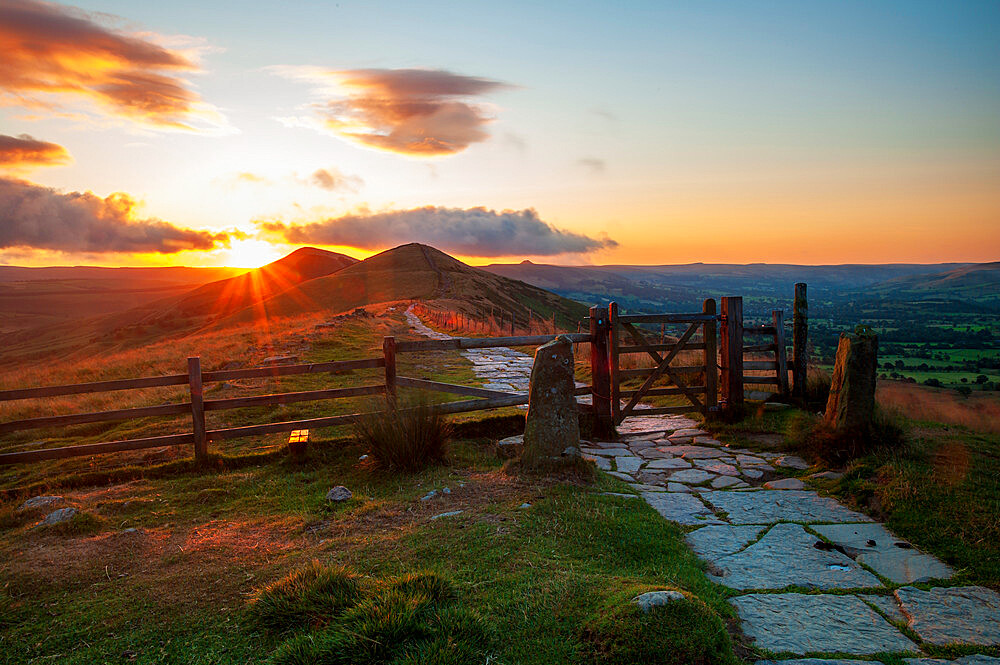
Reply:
x=197, y=408
x=781, y=361
x=732, y=353
x=800, y=331
x=600, y=375
x=389, y=354
x=711, y=357
x=613, y=353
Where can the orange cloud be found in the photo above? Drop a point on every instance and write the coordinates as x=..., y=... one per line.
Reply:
x=419, y=112
x=40, y=217
x=51, y=52
x=23, y=152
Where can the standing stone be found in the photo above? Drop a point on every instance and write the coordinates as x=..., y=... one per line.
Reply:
x=553, y=421
x=851, y=403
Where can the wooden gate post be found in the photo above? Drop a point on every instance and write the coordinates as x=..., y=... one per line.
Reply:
x=389, y=354
x=732, y=353
x=800, y=331
x=616, y=404
x=780, y=360
x=711, y=357
x=197, y=408
x=600, y=375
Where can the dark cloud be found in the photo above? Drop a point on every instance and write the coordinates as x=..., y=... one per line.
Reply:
x=25, y=151
x=420, y=112
x=43, y=218
x=471, y=232
x=50, y=50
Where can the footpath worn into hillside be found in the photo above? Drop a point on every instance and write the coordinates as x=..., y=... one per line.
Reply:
x=810, y=576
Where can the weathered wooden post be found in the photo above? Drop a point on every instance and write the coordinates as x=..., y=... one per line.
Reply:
x=389, y=354
x=711, y=359
x=732, y=353
x=616, y=405
x=800, y=331
x=197, y=408
x=600, y=375
x=780, y=360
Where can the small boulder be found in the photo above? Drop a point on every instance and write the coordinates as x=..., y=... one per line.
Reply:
x=785, y=484
x=39, y=502
x=827, y=475
x=552, y=423
x=651, y=599
x=338, y=494
x=792, y=462
x=59, y=516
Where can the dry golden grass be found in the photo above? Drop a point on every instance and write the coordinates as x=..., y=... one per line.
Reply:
x=246, y=345
x=979, y=412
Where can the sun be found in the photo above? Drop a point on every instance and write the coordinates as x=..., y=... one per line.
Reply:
x=251, y=253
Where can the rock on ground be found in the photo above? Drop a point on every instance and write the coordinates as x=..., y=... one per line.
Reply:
x=39, y=502
x=785, y=484
x=552, y=422
x=679, y=507
x=59, y=516
x=800, y=624
x=338, y=494
x=648, y=601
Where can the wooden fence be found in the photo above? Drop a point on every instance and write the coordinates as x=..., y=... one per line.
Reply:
x=717, y=389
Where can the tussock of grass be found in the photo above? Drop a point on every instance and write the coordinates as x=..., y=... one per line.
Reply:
x=306, y=597
x=816, y=439
x=683, y=632
x=405, y=620
x=404, y=437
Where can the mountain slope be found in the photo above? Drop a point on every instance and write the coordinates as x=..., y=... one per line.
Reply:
x=420, y=272
x=978, y=283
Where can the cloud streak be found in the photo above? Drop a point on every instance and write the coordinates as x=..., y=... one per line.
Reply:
x=470, y=232
x=24, y=152
x=415, y=112
x=52, y=52
x=40, y=217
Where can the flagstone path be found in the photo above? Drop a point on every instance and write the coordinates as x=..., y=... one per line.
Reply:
x=781, y=549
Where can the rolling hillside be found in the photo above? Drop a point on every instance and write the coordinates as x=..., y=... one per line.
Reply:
x=976, y=283
x=307, y=281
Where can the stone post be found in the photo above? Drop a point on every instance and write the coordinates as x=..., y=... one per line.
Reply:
x=552, y=424
x=851, y=404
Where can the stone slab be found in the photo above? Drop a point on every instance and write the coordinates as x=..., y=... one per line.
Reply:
x=770, y=506
x=678, y=487
x=606, y=452
x=785, y=556
x=974, y=659
x=752, y=473
x=785, y=484
x=673, y=463
x=714, y=542
x=800, y=624
x=628, y=464
x=621, y=476
x=726, y=481
x=690, y=476
x=815, y=661
x=791, y=462
x=681, y=508
x=873, y=546
x=887, y=605
x=722, y=469
x=603, y=463
x=956, y=615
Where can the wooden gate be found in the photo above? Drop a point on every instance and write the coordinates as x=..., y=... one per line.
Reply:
x=696, y=383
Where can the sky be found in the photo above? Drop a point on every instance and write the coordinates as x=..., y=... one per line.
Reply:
x=229, y=133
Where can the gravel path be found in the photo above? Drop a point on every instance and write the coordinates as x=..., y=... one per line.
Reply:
x=779, y=544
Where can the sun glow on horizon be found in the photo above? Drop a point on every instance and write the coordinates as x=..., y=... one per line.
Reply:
x=251, y=253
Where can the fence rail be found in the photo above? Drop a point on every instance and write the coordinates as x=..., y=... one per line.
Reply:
x=606, y=327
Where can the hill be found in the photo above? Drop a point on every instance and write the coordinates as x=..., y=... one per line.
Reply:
x=307, y=281
x=421, y=272
x=979, y=283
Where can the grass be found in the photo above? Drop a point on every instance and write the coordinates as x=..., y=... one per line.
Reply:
x=179, y=589
x=404, y=437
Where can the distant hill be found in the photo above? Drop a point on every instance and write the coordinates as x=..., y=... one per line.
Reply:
x=170, y=274
x=421, y=272
x=976, y=283
x=306, y=281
